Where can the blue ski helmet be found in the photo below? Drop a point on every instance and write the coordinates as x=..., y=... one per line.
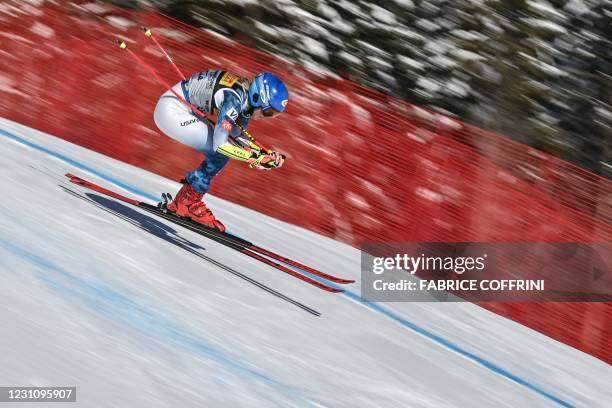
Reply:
x=267, y=91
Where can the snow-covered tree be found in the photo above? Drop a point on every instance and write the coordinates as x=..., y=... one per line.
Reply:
x=536, y=70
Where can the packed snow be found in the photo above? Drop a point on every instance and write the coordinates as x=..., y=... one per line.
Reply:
x=134, y=312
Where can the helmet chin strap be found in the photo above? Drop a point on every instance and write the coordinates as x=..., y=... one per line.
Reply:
x=248, y=109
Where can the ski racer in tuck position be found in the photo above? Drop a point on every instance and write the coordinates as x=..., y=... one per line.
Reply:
x=234, y=100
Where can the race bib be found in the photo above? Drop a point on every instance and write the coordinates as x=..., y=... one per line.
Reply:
x=229, y=79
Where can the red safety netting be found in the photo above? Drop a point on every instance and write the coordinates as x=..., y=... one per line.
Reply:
x=362, y=166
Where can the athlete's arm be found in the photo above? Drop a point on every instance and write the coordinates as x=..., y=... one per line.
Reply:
x=229, y=141
x=223, y=142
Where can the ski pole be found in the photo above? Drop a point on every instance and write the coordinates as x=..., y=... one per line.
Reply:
x=149, y=34
x=123, y=46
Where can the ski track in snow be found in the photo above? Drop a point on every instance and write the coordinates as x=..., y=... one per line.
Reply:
x=92, y=300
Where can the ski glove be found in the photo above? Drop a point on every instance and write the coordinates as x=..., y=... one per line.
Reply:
x=263, y=160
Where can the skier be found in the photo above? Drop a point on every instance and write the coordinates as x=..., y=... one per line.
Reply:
x=234, y=100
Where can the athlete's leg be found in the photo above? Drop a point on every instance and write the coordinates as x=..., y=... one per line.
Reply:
x=201, y=177
x=175, y=119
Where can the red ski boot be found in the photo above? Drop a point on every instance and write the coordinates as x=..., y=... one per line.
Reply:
x=188, y=203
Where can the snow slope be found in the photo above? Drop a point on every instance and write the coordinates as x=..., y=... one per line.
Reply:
x=131, y=310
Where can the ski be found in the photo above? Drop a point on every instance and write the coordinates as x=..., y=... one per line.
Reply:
x=241, y=245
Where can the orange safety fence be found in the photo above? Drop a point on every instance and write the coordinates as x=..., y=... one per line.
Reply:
x=362, y=166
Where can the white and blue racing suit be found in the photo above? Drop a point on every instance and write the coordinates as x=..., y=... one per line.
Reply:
x=214, y=92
